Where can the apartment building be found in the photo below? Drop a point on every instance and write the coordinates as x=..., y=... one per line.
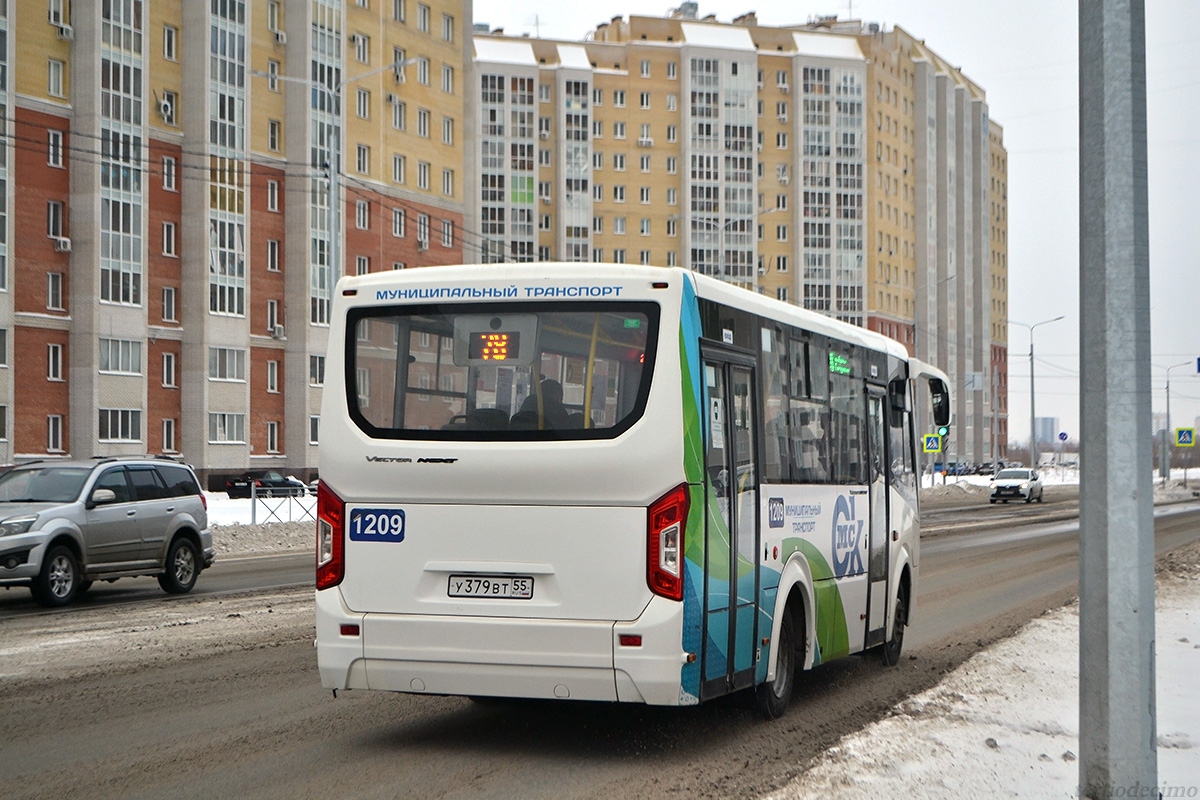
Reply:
x=167, y=266
x=836, y=165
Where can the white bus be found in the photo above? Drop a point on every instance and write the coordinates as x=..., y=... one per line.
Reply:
x=608, y=483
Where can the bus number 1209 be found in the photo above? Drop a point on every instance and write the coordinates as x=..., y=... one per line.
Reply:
x=377, y=525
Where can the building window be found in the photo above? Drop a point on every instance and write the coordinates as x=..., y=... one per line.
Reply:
x=54, y=148
x=618, y=130
x=398, y=223
x=447, y=28
x=272, y=195
x=362, y=265
x=448, y=182
x=273, y=377
x=672, y=196
x=363, y=105
x=272, y=437
x=672, y=227
x=672, y=133
x=226, y=364
x=316, y=370
x=398, y=10
x=423, y=71
x=644, y=100
x=120, y=357
x=422, y=18
x=54, y=362
x=362, y=47
x=273, y=21
x=54, y=291
x=314, y=429
x=398, y=169
x=3, y=347
x=399, y=112
x=672, y=71
x=272, y=75
x=272, y=255
x=168, y=173
x=447, y=130
x=120, y=425
x=54, y=219
x=169, y=104
x=168, y=240
x=168, y=371
x=362, y=215
x=272, y=316
x=273, y=135
x=170, y=43
x=644, y=227
x=168, y=304
x=447, y=233
x=422, y=174
x=447, y=79
x=362, y=162
x=54, y=433
x=168, y=436
x=644, y=195
x=55, y=70
x=423, y=123
x=226, y=428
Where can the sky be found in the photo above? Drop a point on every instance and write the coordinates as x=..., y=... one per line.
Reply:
x=1024, y=53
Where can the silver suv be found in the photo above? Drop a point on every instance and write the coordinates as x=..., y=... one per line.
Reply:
x=65, y=524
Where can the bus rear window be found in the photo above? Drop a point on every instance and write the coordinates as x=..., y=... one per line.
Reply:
x=499, y=372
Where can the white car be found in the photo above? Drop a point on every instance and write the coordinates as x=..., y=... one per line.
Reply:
x=1016, y=484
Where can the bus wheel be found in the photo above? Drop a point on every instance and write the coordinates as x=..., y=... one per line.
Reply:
x=892, y=647
x=772, y=698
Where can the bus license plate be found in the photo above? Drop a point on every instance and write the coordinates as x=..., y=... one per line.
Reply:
x=501, y=587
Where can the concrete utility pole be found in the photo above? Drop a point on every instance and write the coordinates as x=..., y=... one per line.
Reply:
x=1117, y=736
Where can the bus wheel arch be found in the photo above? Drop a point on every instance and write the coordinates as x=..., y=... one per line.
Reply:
x=773, y=696
x=892, y=646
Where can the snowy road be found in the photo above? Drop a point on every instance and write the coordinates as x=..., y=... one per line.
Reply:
x=219, y=696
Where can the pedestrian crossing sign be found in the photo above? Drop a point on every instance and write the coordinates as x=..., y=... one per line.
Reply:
x=933, y=443
x=1185, y=437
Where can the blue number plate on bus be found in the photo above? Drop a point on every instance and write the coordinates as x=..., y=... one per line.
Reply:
x=500, y=587
x=377, y=525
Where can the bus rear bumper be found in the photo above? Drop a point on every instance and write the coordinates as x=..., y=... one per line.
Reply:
x=503, y=657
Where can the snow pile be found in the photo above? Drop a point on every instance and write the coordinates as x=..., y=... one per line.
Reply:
x=252, y=540
x=1007, y=721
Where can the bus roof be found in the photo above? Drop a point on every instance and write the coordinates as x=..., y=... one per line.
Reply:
x=551, y=273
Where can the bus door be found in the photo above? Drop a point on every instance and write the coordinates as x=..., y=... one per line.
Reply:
x=878, y=475
x=731, y=523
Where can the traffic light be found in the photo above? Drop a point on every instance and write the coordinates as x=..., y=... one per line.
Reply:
x=943, y=431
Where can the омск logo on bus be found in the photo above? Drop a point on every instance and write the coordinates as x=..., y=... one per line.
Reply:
x=847, y=533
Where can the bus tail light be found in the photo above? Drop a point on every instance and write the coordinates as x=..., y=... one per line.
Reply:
x=331, y=537
x=666, y=520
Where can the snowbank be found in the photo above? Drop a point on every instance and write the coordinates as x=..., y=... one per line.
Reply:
x=1006, y=722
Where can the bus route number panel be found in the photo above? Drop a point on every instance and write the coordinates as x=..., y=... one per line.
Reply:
x=496, y=587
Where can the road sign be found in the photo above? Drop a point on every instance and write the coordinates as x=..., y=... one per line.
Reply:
x=1185, y=437
x=933, y=443
x=1062, y=436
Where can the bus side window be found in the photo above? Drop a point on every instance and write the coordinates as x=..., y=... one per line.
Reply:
x=776, y=437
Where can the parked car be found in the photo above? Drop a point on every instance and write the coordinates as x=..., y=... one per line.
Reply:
x=66, y=524
x=266, y=484
x=1017, y=484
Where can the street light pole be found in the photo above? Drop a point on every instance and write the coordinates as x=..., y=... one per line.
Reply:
x=1168, y=444
x=1033, y=454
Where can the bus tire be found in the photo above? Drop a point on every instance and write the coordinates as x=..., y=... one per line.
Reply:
x=772, y=698
x=892, y=647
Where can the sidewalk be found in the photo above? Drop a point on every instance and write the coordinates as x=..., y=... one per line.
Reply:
x=1006, y=722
